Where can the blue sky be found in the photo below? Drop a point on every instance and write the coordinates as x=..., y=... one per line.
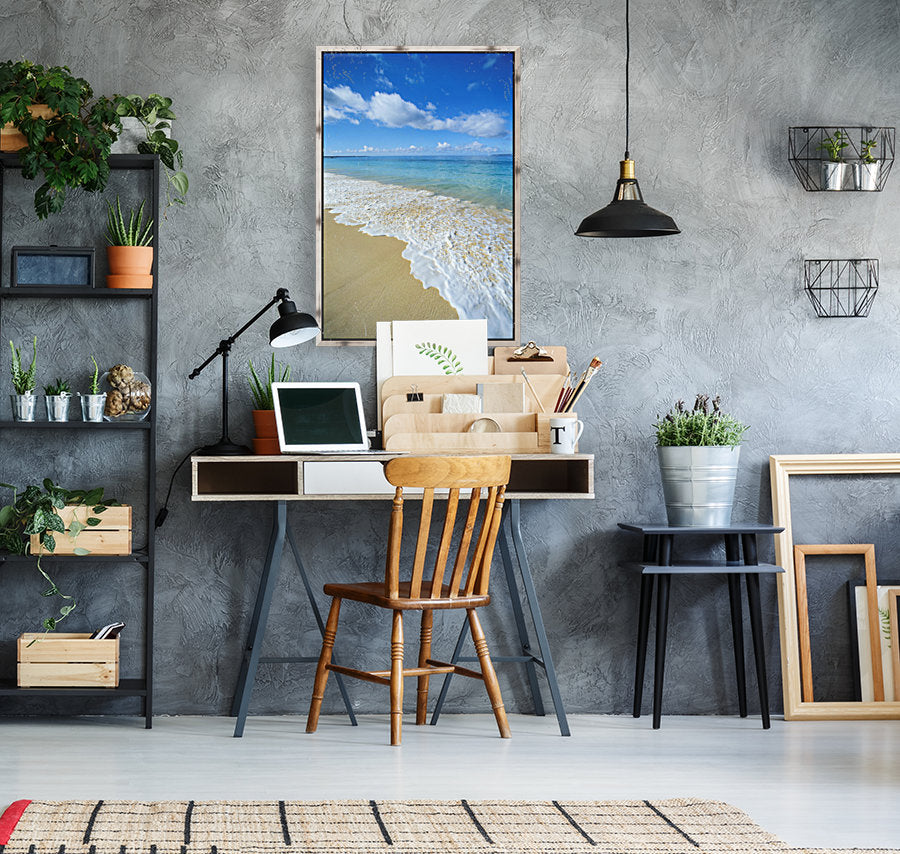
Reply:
x=417, y=103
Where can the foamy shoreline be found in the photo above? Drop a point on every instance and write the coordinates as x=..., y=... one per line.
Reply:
x=462, y=249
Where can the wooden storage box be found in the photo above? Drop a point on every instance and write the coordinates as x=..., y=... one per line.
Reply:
x=67, y=660
x=111, y=537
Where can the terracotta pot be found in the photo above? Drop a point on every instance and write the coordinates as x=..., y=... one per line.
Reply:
x=11, y=139
x=130, y=260
x=129, y=282
x=264, y=424
x=266, y=446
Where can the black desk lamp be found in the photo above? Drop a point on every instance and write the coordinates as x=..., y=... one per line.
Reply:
x=292, y=327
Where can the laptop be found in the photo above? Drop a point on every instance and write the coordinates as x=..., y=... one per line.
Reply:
x=320, y=418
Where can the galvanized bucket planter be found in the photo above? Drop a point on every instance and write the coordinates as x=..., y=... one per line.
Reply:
x=698, y=484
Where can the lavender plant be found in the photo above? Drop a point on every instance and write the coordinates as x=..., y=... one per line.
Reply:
x=706, y=424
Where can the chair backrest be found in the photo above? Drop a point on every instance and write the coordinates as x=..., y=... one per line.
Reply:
x=471, y=563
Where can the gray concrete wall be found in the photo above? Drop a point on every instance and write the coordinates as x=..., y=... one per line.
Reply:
x=719, y=308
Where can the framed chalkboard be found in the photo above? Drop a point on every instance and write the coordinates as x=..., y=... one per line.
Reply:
x=52, y=266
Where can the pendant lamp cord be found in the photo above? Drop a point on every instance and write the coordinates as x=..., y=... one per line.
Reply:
x=627, y=63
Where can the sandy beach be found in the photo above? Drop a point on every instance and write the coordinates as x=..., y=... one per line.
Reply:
x=367, y=279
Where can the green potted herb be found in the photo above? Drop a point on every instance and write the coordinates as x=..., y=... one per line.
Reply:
x=698, y=453
x=24, y=384
x=93, y=402
x=57, y=397
x=865, y=172
x=33, y=517
x=129, y=252
x=65, y=135
x=146, y=127
x=834, y=169
x=266, y=441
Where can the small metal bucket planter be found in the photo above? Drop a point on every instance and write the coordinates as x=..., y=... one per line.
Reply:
x=865, y=176
x=698, y=484
x=833, y=175
x=23, y=406
x=58, y=406
x=92, y=406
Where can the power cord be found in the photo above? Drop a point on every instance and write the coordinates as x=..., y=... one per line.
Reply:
x=164, y=510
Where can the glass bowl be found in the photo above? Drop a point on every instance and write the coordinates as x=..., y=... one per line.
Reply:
x=128, y=394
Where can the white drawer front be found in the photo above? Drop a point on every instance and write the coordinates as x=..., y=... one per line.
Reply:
x=353, y=477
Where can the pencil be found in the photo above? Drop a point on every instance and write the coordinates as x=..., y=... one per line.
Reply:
x=530, y=386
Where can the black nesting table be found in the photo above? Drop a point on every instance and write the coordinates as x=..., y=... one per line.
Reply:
x=658, y=563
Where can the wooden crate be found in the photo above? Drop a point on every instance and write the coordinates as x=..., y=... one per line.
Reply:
x=67, y=660
x=111, y=537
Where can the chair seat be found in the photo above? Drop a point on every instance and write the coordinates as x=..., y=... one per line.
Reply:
x=373, y=594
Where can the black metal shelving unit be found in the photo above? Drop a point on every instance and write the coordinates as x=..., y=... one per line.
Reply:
x=142, y=687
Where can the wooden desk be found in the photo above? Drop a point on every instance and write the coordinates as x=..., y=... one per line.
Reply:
x=352, y=477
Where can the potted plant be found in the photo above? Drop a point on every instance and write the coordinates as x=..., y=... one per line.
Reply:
x=57, y=399
x=266, y=441
x=35, y=512
x=147, y=128
x=834, y=169
x=129, y=252
x=93, y=402
x=865, y=172
x=698, y=452
x=68, y=135
x=24, y=384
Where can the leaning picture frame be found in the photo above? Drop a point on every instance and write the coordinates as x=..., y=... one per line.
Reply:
x=782, y=468
x=417, y=189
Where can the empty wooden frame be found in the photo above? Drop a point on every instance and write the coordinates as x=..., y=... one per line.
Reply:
x=782, y=468
x=867, y=550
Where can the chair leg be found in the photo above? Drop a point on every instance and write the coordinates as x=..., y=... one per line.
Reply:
x=487, y=671
x=424, y=655
x=328, y=637
x=396, y=677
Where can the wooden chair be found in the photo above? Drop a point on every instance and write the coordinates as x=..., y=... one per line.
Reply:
x=467, y=587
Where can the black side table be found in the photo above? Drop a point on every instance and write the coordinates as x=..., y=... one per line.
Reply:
x=657, y=563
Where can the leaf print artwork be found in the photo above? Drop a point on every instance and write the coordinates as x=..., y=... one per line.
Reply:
x=443, y=355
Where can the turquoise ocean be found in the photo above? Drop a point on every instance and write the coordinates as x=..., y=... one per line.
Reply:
x=484, y=180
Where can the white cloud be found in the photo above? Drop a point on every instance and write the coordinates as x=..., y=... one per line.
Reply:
x=442, y=145
x=391, y=110
x=490, y=62
x=472, y=86
x=487, y=123
x=430, y=107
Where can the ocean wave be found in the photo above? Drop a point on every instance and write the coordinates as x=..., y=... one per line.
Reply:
x=462, y=249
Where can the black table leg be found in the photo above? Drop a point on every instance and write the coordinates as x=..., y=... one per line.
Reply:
x=643, y=632
x=733, y=556
x=748, y=542
x=662, y=617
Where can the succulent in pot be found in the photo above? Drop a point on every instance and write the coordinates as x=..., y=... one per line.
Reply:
x=24, y=384
x=129, y=252
x=698, y=451
x=834, y=169
x=865, y=172
x=266, y=440
x=57, y=397
x=93, y=402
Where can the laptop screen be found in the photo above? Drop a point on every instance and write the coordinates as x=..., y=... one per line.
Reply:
x=319, y=417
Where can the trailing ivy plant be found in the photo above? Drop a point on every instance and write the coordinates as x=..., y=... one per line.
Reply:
x=35, y=511
x=703, y=425
x=69, y=149
x=262, y=390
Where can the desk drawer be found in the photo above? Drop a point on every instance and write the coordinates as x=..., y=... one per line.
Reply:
x=337, y=477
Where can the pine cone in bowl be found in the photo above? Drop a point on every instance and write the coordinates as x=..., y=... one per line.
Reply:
x=115, y=404
x=120, y=377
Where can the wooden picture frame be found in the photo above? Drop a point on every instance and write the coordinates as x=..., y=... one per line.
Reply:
x=867, y=550
x=782, y=468
x=417, y=189
x=894, y=616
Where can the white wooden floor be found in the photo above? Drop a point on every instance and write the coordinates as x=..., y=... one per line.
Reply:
x=833, y=784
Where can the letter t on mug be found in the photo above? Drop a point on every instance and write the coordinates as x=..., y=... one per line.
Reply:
x=564, y=434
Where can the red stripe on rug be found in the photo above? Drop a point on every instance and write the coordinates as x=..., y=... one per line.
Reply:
x=10, y=819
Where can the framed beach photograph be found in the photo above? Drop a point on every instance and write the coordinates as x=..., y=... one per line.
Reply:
x=417, y=189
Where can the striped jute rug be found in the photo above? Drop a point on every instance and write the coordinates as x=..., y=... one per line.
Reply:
x=684, y=826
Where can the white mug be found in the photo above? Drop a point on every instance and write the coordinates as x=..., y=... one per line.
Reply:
x=564, y=434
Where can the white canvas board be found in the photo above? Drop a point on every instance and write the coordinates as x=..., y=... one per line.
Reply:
x=865, y=653
x=439, y=347
x=384, y=362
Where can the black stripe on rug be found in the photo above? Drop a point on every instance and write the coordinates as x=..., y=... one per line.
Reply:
x=476, y=822
x=672, y=824
x=285, y=832
x=90, y=825
x=384, y=830
x=574, y=823
x=187, y=824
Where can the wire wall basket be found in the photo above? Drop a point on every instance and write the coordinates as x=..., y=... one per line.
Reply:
x=841, y=288
x=842, y=158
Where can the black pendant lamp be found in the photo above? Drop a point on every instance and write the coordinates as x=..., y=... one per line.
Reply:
x=627, y=215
